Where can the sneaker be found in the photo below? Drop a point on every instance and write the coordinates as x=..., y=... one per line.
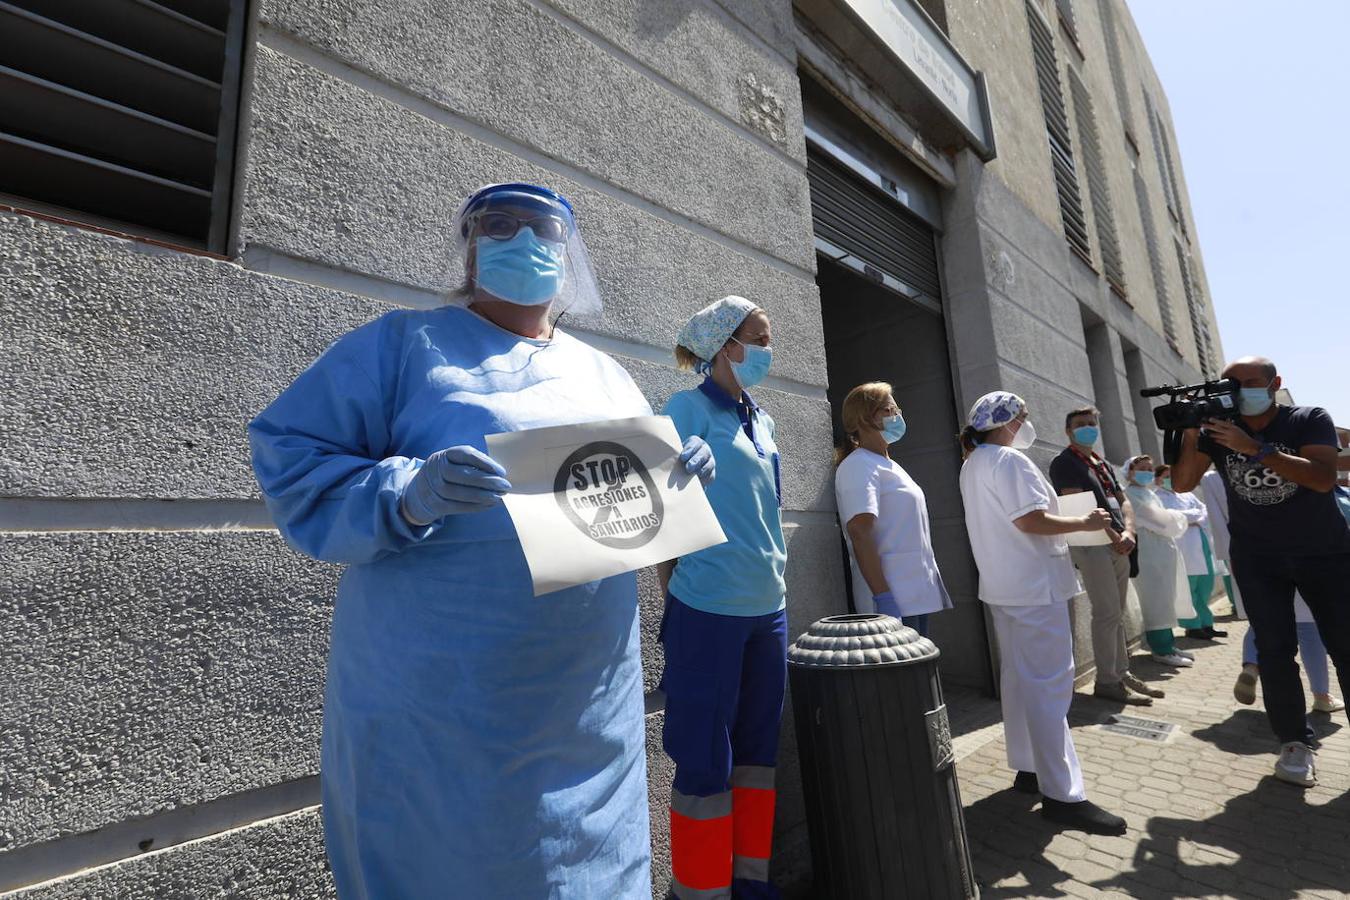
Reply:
x=1185, y=654
x=1118, y=693
x=1083, y=816
x=1199, y=634
x=1027, y=783
x=1244, y=691
x=1216, y=632
x=1296, y=764
x=1132, y=682
x=1329, y=704
x=1175, y=660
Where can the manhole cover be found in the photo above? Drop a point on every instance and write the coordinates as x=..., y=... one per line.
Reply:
x=1144, y=729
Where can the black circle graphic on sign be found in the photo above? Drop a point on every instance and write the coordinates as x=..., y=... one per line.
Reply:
x=604, y=489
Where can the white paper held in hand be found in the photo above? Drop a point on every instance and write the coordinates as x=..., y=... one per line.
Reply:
x=1081, y=504
x=602, y=498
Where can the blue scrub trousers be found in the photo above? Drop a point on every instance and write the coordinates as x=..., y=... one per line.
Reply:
x=724, y=680
x=1310, y=648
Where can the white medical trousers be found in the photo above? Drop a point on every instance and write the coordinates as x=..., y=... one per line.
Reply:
x=1036, y=648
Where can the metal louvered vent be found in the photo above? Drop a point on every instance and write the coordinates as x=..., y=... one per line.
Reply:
x=1099, y=192
x=1155, y=258
x=1178, y=210
x=1164, y=156
x=122, y=113
x=1057, y=129
x=854, y=217
x=1196, y=306
x=1066, y=18
x=1115, y=60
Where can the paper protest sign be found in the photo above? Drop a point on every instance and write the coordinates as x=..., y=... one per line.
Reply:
x=1081, y=504
x=597, y=499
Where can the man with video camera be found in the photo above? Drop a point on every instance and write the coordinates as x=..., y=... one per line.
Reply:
x=1278, y=464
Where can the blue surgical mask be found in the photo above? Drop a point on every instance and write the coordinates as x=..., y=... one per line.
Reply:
x=1143, y=479
x=1254, y=401
x=751, y=370
x=893, y=428
x=524, y=270
x=1086, y=435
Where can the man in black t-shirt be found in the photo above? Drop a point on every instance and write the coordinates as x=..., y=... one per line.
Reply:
x=1105, y=570
x=1278, y=465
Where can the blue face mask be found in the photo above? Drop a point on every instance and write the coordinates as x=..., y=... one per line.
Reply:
x=893, y=428
x=1167, y=483
x=1086, y=435
x=751, y=370
x=1143, y=479
x=524, y=270
x=1254, y=401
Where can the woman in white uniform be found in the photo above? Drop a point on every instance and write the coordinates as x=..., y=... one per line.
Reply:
x=884, y=514
x=1027, y=579
x=1163, y=591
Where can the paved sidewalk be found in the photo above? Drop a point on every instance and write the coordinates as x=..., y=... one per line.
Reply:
x=1206, y=816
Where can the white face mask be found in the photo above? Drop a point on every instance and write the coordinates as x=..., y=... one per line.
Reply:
x=1025, y=436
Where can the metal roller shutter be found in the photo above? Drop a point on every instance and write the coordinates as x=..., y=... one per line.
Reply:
x=857, y=219
x=122, y=113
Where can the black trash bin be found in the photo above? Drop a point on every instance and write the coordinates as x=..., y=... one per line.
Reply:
x=878, y=774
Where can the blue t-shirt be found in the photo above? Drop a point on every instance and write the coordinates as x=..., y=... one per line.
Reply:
x=744, y=576
x=1268, y=514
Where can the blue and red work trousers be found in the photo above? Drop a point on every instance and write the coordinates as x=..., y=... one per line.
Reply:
x=724, y=682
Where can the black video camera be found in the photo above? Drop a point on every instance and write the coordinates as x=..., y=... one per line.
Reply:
x=1190, y=407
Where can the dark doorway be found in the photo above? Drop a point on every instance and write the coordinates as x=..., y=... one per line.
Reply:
x=875, y=334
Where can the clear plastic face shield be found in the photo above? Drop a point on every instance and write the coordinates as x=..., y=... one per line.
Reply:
x=520, y=244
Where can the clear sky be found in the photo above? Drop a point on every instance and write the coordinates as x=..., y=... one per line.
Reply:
x=1260, y=98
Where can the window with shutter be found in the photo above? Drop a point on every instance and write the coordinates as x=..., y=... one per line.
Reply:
x=1115, y=60
x=1154, y=257
x=1196, y=306
x=122, y=113
x=1099, y=193
x=1177, y=209
x=1057, y=131
x=1162, y=150
x=1066, y=21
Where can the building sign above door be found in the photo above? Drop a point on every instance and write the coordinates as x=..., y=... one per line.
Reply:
x=897, y=44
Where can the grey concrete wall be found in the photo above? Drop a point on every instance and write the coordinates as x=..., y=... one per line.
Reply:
x=166, y=650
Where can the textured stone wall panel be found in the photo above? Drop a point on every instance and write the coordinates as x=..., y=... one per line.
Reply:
x=278, y=859
x=145, y=672
x=354, y=181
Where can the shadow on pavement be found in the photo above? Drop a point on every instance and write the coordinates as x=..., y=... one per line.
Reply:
x=1247, y=732
x=1008, y=838
x=1269, y=843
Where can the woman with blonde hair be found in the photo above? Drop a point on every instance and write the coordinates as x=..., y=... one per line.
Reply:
x=884, y=514
x=725, y=624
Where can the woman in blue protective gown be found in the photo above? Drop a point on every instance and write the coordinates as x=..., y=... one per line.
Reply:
x=478, y=741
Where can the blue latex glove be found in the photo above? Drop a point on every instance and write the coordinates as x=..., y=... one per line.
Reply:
x=698, y=460
x=454, y=480
x=885, y=604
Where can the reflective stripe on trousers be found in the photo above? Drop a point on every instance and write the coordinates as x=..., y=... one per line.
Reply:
x=700, y=845
x=722, y=837
x=753, y=799
x=724, y=683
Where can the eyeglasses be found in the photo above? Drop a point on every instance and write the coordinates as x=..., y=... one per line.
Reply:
x=502, y=226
